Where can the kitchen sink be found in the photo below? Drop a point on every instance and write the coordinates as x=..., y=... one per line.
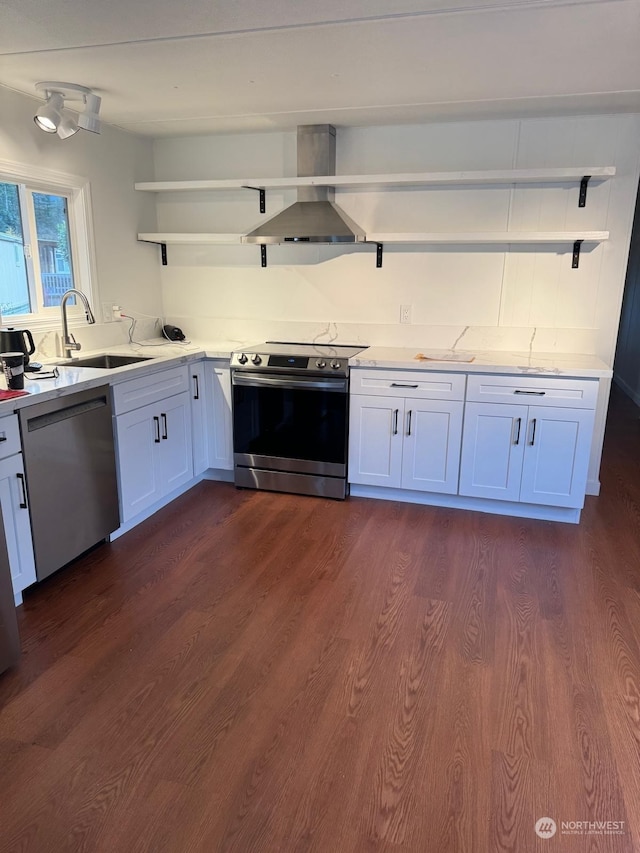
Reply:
x=104, y=361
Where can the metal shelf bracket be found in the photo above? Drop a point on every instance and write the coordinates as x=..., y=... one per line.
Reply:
x=163, y=249
x=582, y=198
x=575, y=262
x=262, y=196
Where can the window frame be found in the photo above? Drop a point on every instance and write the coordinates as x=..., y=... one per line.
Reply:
x=77, y=191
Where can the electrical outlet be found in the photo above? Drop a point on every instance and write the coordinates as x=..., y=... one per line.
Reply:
x=405, y=313
x=107, y=314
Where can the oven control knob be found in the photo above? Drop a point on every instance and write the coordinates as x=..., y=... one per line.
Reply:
x=255, y=359
x=320, y=363
x=243, y=359
x=335, y=364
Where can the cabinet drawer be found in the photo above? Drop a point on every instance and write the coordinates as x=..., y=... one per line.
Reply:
x=421, y=384
x=533, y=390
x=149, y=389
x=9, y=436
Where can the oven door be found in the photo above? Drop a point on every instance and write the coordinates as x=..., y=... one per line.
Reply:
x=296, y=424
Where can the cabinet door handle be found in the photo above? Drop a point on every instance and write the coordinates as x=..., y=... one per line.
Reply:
x=156, y=421
x=517, y=424
x=533, y=432
x=395, y=422
x=530, y=393
x=409, y=422
x=398, y=385
x=164, y=425
x=23, y=504
x=196, y=395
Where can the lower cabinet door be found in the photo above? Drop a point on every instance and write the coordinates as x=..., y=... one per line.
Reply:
x=556, y=459
x=17, y=524
x=493, y=444
x=199, y=409
x=431, y=448
x=139, y=439
x=375, y=441
x=219, y=422
x=176, y=459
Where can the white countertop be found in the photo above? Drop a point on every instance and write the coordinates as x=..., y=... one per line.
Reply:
x=164, y=355
x=71, y=378
x=533, y=364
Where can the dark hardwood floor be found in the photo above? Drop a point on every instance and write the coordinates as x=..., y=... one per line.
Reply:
x=249, y=671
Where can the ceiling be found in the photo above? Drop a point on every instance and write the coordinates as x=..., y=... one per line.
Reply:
x=220, y=66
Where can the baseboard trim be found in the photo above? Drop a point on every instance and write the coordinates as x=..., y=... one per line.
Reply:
x=628, y=390
x=593, y=487
x=520, y=510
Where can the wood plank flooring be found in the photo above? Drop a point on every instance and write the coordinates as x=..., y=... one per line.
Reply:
x=249, y=671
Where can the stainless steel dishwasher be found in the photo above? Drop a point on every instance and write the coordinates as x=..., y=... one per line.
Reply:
x=70, y=472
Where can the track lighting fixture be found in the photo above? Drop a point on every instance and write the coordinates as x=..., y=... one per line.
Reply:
x=53, y=117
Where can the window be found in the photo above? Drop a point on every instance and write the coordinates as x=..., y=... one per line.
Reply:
x=44, y=243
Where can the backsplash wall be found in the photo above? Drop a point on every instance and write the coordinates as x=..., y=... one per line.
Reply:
x=467, y=297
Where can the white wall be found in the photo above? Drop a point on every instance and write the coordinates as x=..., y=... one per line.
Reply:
x=510, y=300
x=127, y=272
x=474, y=298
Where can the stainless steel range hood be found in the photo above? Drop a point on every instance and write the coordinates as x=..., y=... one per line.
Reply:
x=314, y=218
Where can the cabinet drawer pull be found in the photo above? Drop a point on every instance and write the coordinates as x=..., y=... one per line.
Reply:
x=398, y=385
x=196, y=395
x=23, y=504
x=156, y=421
x=3, y=437
x=395, y=422
x=531, y=393
x=533, y=432
x=409, y=422
x=164, y=425
x=518, y=424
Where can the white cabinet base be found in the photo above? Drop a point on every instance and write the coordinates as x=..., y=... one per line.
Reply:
x=494, y=507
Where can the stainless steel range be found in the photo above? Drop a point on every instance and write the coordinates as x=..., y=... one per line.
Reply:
x=291, y=417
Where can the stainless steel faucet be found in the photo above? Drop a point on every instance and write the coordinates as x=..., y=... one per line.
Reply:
x=69, y=343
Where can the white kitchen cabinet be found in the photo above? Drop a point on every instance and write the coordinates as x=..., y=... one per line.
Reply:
x=406, y=442
x=531, y=454
x=199, y=421
x=139, y=470
x=220, y=426
x=154, y=452
x=431, y=446
x=15, y=509
x=556, y=458
x=375, y=441
x=492, y=450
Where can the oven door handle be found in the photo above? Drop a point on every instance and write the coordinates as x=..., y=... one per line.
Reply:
x=338, y=385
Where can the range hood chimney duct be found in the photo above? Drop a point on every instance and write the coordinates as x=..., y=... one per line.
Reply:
x=313, y=218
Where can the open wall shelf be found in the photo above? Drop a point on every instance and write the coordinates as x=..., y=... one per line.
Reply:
x=414, y=179
x=573, y=239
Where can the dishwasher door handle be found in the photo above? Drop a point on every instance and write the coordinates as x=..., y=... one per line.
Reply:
x=23, y=503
